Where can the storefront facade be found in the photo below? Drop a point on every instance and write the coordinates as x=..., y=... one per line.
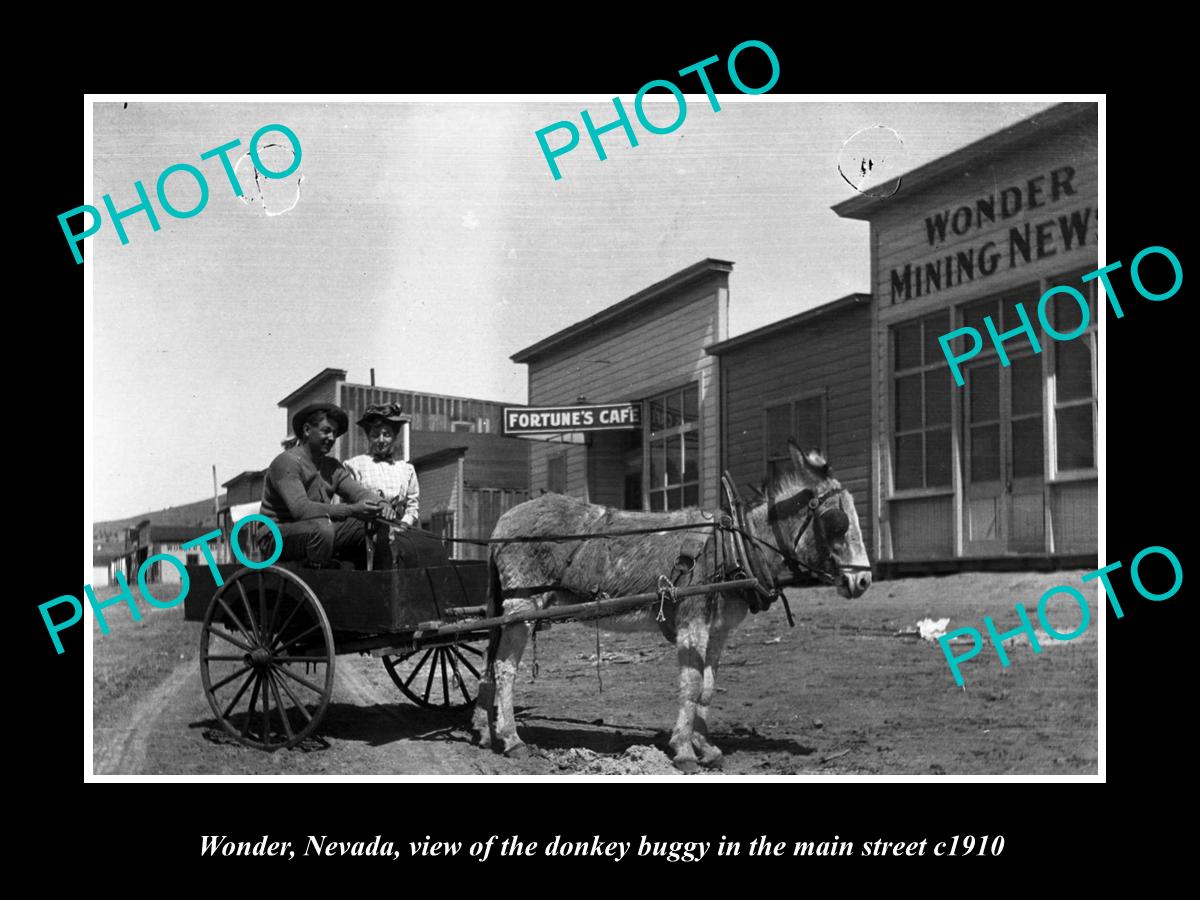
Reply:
x=1005, y=465
x=649, y=350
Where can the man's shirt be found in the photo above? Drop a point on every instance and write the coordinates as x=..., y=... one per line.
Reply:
x=395, y=479
x=296, y=489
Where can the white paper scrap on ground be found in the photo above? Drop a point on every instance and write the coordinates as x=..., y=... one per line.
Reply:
x=932, y=629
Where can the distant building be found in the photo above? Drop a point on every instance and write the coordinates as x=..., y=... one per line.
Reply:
x=145, y=540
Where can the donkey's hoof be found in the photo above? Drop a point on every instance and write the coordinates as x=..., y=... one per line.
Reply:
x=481, y=738
x=518, y=752
x=687, y=766
x=713, y=760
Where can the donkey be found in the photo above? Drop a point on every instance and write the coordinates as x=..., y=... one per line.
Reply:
x=804, y=522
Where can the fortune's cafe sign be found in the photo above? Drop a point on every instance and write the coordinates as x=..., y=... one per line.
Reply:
x=1061, y=230
x=557, y=419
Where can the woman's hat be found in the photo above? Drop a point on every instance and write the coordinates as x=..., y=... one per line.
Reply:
x=336, y=414
x=388, y=412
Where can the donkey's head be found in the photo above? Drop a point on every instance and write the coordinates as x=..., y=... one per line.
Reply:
x=814, y=521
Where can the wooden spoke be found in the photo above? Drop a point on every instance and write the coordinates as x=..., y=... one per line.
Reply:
x=227, y=679
x=300, y=706
x=304, y=681
x=249, y=611
x=225, y=637
x=443, y=652
x=305, y=633
x=236, y=621
x=454, y=650
x=429, y=680
x=470, y=649
x=458, y=680
x=253, y=701
x=287, y=726
x=236, y=697
x=417, y=668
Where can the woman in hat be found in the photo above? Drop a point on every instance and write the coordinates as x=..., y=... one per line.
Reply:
x=379, y=469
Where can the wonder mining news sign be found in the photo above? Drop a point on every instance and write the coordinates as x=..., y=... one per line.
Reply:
x=555, y=419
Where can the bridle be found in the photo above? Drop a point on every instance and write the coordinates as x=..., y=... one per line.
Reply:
x=813, y=504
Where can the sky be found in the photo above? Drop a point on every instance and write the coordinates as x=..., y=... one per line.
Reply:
x=429, y=240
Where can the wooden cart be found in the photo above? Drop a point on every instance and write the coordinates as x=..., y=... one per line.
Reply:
x=271, y=636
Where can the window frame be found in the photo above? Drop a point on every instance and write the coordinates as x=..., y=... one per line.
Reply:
x=893, y=375
x=664, y=434
x=1091, y=337
x=791, y=402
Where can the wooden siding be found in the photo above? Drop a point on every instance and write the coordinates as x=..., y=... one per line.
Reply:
x=482, y=508
x=830, y=354
x=439, y=488
x=899, y=237
x=653, y=350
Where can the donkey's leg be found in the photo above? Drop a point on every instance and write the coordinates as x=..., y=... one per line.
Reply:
x=709, y=754
x=508, y=656
x=730, y=613
x=692, y=643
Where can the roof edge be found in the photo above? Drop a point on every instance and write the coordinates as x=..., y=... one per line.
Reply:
x=817, y=312
x=679, y=279
x=864, y=206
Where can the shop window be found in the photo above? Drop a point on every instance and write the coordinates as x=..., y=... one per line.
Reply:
x=674, y=449
x=920, y=404
x=463, y=426
x=1075, y=377
x=801, y=420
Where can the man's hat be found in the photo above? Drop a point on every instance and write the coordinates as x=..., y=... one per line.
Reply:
x=388, y=412
x=336, y=414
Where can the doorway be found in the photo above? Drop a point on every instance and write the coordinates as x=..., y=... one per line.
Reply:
x=1004, y=457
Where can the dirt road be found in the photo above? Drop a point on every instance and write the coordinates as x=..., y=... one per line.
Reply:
x=839, y=693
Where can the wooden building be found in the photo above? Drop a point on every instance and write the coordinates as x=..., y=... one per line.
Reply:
x=467, y=482
x=1003, y=467
x=648, y=350
x=807, y=377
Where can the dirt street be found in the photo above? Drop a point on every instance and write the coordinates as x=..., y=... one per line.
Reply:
x=840, y=693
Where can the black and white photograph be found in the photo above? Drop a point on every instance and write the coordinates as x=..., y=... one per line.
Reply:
x=677, y=435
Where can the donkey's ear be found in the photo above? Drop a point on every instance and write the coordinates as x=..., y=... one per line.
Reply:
x=798, y=458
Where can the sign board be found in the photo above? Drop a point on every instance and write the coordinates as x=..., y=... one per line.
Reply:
x=556, y=419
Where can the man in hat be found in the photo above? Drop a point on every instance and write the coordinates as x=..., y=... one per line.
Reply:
x=394, y=479
x=300, y=485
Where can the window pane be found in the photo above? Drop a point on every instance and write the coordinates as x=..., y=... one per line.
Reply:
x=657, y=464
x=937, y=457
x=1073, y=366
x=973, y=317
x=935, y=326
x=674, y=409
x=657, y=499
x=808, y=423
x=691, y=456
x=985, y=453
x=658, y=414
x=1027, y=447
x=1028, y=296
x=908, y=345
x=1065, y=312
x=909, y=462
x=691, y=495
x=1026, y=385
x=983, y=393
x=691, y=403
x=675, y=498
x=937, y=397
x=908, y=402
x=779, y=426
x=674, y=459
x=1075, y=450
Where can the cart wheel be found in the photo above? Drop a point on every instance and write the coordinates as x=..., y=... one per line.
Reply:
x=444, y=677
x=266, y=638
